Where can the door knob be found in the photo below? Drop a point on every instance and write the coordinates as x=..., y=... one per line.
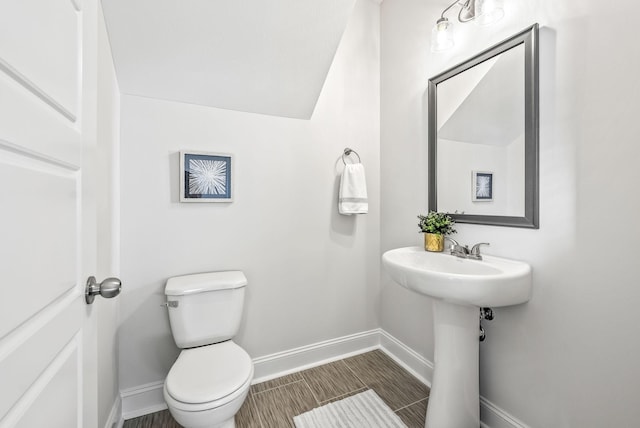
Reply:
x=108, y=288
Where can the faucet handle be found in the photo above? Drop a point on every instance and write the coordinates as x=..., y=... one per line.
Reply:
x=453, y=241
x=454, y=245
x=475, y=250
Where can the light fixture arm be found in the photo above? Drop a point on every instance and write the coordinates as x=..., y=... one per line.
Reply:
x=468, y=8
x=450, y=6
x=466, y=13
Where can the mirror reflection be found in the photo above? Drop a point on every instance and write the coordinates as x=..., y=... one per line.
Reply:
x=481, y=129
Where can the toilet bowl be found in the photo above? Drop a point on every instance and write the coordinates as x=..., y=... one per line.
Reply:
x=207, y=386
x=210, y=380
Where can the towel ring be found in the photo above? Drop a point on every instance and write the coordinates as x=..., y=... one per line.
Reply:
x=347, y=152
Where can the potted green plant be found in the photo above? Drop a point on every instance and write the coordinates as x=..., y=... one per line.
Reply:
x=435, y=227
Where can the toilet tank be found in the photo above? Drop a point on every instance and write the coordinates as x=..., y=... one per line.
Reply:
x=205, y=308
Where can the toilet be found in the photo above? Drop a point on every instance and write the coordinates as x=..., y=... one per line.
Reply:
x=209, y=381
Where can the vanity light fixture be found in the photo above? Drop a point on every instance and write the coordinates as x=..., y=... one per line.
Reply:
x=483, y=12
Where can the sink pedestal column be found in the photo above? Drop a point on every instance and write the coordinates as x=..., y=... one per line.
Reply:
x=454, y=401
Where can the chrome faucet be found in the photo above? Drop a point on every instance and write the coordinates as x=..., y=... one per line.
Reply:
x=457, y=249
x=463, y=251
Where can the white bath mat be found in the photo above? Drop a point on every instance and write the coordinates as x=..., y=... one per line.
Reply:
x=364, y=410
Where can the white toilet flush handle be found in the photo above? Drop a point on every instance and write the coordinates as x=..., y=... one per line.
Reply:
x=170, y=304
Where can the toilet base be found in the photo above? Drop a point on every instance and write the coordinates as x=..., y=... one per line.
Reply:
x=192, y=421
x=217, y=417
x=231, y=423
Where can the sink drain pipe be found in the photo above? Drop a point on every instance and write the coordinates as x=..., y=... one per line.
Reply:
x=485, y=314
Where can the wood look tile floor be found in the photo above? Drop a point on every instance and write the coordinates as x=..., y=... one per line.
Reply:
x=274, y=403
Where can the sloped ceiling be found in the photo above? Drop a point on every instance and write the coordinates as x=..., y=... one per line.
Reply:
x=493, y=111
x=269, y=57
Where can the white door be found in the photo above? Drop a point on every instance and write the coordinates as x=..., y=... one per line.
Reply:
x=47, y=214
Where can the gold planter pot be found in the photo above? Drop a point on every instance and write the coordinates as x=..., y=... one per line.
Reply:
x=433, y=242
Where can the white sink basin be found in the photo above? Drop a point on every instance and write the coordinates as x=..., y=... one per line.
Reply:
x=459, y=287
x=490, y=282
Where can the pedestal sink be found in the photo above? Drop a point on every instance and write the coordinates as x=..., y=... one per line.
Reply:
x=459, y=287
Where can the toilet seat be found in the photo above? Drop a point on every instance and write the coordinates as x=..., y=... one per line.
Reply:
x=208, y=377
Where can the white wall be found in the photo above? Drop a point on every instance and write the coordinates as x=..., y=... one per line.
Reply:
x=457, y=160
x=568, y=358
x=313, y=274
x=108, y=212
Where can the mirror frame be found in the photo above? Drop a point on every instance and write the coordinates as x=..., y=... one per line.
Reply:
x=528, y=37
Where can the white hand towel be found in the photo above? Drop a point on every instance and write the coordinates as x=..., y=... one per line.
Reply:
x=353, y=190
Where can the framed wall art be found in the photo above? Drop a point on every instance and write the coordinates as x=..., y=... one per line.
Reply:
x=481, y=186
x=206, y=177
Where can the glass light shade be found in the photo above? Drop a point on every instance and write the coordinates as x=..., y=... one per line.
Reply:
x=442, y=36
x=488, y=11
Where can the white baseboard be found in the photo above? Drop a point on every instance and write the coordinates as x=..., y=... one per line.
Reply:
x=493, y=416
x=304, y=357
x=115, y=420
x=142, y=400
x=148, y=398
x=413, y=362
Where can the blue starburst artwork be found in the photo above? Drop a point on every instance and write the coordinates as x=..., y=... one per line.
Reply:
x=205, y=177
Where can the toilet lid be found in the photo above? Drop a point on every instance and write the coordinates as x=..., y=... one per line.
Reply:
x=208, y=373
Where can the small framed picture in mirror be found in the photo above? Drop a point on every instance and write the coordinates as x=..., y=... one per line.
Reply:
x=482, y=186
